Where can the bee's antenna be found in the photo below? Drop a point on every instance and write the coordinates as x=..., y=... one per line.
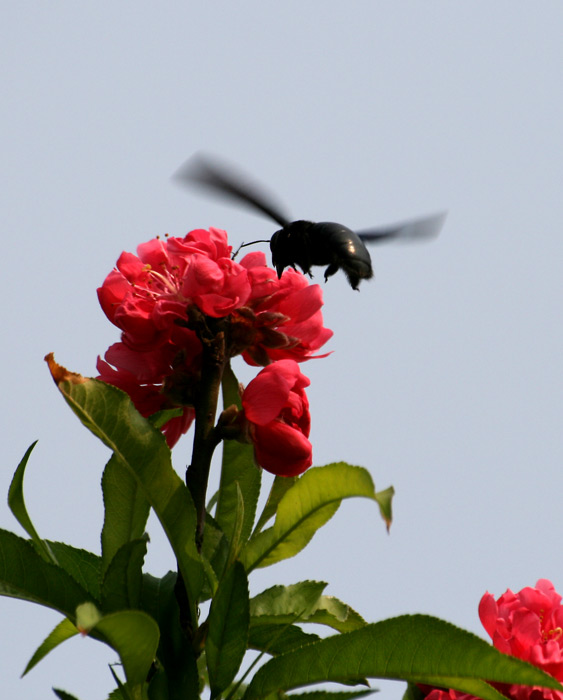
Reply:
x=243, y=245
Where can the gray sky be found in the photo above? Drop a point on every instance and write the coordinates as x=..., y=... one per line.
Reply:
x=445, y=379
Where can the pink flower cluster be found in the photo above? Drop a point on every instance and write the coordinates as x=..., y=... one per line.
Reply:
x=271, y=322
x=528, y=625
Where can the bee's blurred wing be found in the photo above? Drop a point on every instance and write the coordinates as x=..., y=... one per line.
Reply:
x=413, y=230
x=201, y=171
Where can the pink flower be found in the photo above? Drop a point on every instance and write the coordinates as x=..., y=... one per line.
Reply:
x=529, y=626
x=156, y=380
x=437, y=694
x=148, y=297
x=286, y=314
x=277, y=410
x=149, y=292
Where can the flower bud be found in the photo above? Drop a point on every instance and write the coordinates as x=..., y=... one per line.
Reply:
x=277, y=410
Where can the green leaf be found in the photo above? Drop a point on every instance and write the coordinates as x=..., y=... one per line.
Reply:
x=331, y=695
x=16, y=503
x=160, y=418
x=303, y=602
x=87, y=616
x=157, y=596
x=215, y=550
x=415, y=648
x=236, y=534
x=63, y=631
x=83, y=566
x=121, y=587
x=280, y=485
x=336, y=614
x=25, y=575
x=63, y=695
x=126, y=509
x=278, y=639
x=413, y=692
x=238, y=466
x=158, y=687
x=122, y=692
x=294, y=602
x=133, y=634
x=212, y=501
x=228, y=629
x=109, y=413
x=315, y=695
x=175, y=651
x=385, y=498
x=304, y=508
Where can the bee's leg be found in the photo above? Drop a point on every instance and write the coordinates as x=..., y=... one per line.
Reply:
x=331, y=270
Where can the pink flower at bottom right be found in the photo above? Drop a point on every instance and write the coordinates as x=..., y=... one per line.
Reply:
x=529, y=626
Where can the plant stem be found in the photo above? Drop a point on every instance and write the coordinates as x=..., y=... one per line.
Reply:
x=206, y=437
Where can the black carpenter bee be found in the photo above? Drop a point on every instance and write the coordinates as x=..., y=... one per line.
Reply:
x=305, y=243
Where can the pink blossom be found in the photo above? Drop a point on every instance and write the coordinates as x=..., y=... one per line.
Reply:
x=149, y=292
x=277, y=410
x=438, y=694
x=287, y=318
x=148, y=296
x=151, y=385
x=529, y=626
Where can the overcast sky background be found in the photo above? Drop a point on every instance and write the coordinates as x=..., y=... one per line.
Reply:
x=445, y=378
